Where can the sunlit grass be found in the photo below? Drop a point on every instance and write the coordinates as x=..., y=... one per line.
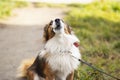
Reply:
x=6, y=7
x=51, y=5
x=97, y=25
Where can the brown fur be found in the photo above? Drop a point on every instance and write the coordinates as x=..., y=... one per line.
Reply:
x=30, y=75
x=22, y=69
x=48, y=33
x=70, y=76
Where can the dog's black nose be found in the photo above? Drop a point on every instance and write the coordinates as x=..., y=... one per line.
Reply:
x=57, y=20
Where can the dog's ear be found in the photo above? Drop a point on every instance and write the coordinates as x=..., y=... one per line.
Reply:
x=45, y=33
x=38, y=66
x=48, y=32
x=69, y=29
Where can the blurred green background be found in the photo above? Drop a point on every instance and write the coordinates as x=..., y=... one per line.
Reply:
x=6, y=6
x=97, y=25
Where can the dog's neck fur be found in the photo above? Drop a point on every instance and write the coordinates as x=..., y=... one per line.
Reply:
x=59, y=43
x=59, y=57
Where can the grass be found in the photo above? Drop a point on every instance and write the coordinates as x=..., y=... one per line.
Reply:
x=6, y=7
x=97, y=25
x=50, y=5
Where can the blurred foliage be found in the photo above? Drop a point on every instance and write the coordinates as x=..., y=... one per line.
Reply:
x=6, y=7
x=97, y=25
x=49, y=5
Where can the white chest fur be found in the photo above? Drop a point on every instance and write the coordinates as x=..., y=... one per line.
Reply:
x=60, y=48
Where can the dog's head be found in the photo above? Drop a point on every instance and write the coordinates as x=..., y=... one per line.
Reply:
x=56, y=27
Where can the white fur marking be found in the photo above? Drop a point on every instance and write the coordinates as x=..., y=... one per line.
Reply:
x=36, y=77
x=42, y=53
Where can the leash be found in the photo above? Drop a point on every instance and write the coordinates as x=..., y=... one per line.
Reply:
x=90, y=65
x=95, y=68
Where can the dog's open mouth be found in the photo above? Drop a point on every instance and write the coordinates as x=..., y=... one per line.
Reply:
x=58, y=28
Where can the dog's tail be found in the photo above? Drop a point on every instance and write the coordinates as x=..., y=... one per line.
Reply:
x=23, y=68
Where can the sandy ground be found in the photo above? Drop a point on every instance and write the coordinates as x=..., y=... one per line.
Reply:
x=20, y=37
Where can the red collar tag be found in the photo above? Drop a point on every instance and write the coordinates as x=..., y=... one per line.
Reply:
x=76, y=44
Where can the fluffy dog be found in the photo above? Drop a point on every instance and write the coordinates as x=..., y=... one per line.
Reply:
x=58, y=59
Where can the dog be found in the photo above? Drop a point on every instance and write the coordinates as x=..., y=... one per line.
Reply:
x=58, y=59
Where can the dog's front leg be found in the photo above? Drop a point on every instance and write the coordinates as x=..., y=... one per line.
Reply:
x=70, y=76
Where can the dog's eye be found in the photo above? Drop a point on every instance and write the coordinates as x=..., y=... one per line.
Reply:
x=51, y=23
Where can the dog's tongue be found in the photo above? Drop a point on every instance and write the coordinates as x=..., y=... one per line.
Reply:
x=76, y=44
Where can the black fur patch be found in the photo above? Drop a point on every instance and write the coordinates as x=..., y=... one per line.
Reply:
x=38, y=66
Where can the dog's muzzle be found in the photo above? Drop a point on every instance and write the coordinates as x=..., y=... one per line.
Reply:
x=58, y=24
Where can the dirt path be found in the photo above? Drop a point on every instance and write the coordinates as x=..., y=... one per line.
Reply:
x=20, y=37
